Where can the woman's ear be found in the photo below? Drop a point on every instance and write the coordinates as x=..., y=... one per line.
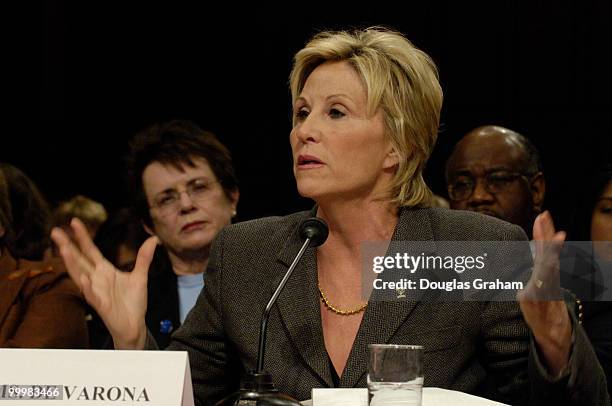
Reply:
x=234, y=197
x=392, y=159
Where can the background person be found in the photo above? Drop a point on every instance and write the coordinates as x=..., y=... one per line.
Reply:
x=30, y=215
x=184, y=191
x=496, y=171
x=89, y=211
x=593, y=222
x=40, y=307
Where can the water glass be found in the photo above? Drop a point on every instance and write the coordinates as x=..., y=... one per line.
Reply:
x=395, y=375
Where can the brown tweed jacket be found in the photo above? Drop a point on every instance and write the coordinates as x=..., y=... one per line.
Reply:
x=483, y=348
x=40, y=307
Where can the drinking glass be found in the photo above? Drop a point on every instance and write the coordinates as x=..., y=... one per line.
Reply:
x=395, y=375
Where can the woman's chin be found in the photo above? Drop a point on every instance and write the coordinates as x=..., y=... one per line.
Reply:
x=309, y=190
x=196, y=241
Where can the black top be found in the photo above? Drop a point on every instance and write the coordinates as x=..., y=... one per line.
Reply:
x=334, y=373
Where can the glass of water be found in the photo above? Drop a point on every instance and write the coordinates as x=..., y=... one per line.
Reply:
x=395, y=374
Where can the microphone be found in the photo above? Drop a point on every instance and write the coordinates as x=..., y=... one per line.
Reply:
x=257, y=385
x=315, y=230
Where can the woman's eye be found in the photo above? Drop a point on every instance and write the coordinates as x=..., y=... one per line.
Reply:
x=335, y=113
x=301, y=114
x=198, y=187
x=166, y=200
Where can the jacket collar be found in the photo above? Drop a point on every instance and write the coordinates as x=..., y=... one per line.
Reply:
x=298, y=303
x=299, y=306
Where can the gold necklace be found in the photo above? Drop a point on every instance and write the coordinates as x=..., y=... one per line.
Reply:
x=340, y=311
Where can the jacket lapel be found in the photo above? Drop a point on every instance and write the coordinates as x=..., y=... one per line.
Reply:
x=382, y=318
x=298, y=305
x=11, y=282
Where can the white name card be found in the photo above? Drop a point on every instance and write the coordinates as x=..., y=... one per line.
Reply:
x=339, y=397
x=95, y=377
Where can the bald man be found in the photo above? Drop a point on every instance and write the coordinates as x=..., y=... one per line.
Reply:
x=497, y=171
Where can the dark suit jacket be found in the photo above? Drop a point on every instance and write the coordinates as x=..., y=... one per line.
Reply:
x=482, y=348
x=40, y=307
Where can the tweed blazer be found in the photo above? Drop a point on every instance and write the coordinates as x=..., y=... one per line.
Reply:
x=40, y=306
x=483, y=348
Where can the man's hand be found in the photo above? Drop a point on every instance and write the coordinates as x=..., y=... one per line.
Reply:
x=541, y=301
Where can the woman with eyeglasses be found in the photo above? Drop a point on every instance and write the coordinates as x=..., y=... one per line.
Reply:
x=184, y=191
x=366, y=108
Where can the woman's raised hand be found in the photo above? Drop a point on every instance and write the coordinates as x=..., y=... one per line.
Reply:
x=120, y=298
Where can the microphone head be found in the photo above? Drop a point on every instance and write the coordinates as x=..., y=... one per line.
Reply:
x=316, y=229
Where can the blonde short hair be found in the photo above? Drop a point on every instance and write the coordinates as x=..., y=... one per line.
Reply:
x=399, y=79
x=90, y=212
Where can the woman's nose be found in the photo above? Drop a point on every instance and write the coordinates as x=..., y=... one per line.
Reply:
x=308, y=130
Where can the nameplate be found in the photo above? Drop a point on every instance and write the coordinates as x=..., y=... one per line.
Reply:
x=339, y=397
x=88, y=377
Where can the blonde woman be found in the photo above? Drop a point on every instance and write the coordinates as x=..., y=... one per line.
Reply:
x=366, y=110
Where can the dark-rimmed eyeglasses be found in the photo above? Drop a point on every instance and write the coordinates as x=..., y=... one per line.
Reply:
x=198, y=190
x=462, y=186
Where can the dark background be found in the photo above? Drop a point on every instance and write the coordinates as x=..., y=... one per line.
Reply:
x=85, y=77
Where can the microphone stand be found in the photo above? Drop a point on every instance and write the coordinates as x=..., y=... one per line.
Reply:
x=264, y=322
x=256, y=387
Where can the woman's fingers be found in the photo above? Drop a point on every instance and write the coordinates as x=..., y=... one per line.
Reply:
x=542, y=227
x=145, y=256
x=545, y=280
x=75, y=262
x=85, y=285
x=88, y=248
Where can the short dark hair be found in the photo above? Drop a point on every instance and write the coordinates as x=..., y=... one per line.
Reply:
x=176, y=143
x=30, y=216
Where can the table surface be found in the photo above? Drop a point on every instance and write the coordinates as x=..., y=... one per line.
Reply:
x=445, y=397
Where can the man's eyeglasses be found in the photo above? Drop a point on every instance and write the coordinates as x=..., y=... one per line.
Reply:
x=462, y=187
x=169, y=201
